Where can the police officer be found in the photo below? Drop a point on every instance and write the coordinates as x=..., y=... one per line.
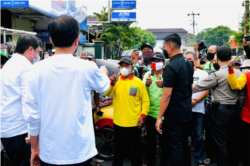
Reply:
x=224, y=113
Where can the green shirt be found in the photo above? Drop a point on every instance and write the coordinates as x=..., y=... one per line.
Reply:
x=154, y=94
x=208, y=67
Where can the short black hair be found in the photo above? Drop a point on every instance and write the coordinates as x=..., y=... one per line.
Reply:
x=224, y=54
x=3, y=60
x=175, y=38
x=63, y=31
x=25, y=41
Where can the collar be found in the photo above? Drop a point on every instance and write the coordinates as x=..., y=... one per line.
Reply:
x=131, y=77
x=16, y=55
x=176, y=56
x=224, y=67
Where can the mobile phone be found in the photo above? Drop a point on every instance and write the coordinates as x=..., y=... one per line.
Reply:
x=99, y=113
x=136, y=47
x=247, y=38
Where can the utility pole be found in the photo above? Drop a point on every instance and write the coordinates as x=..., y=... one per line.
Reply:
x=246, y=28
x=192, y=14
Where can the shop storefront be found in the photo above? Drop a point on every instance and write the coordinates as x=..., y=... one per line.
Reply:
x=34, y=16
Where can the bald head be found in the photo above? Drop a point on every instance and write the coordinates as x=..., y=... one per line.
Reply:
x=212, y=49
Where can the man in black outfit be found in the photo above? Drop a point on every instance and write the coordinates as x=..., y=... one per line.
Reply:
x=176, y=105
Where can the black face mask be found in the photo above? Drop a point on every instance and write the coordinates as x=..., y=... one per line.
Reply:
x=165, y=53
x=210, y=56
x=216, y=66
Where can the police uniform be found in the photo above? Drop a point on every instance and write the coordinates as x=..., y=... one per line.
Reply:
x=224, y=114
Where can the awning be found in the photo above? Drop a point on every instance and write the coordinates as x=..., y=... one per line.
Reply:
x=15, y=32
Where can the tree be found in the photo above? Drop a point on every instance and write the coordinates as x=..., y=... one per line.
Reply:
x=201, y=34
x=103, y=16
x=238, y=36
x=188, y=40
x=219, y=36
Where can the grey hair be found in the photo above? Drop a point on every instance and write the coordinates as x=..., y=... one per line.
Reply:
x=191, y=52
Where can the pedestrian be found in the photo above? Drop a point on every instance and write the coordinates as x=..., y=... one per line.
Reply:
x=210, y=56
x=246, y=49
x=14, y=81
x=4, y=59
x=198, y=109
x=58, y=101
x=224, y=113
x=154, y=86
x=131, y=106
x=238, y=84
x=140, y=69
x=175, y=105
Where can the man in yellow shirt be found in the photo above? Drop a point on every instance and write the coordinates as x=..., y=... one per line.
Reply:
x=131, y=106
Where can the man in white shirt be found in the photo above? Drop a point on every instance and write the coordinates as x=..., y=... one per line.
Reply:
x=14, y=129
x=198, y=110
x=58, y=101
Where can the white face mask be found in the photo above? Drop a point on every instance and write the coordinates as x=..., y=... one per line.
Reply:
x=124, y=71
x=36, y=59
x=244, y=70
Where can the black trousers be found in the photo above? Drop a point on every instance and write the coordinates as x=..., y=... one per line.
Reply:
x=244, y=142
x=224, y=123
x=152, y=133
x=86, y=163
x=176, y=150
x=209, y=143
x=17, y=150
x=121, y=135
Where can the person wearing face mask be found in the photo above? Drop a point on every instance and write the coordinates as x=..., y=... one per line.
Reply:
x=14, y=129
x=153, y=82
x=224, y=112
x=142, y=68
x=58, y=100
x=198, y=110
x=175, y=105
x=237, y=84
x=131, y=106
x=211, y=52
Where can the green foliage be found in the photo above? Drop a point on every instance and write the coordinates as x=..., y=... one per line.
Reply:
x=238, y=36
x=201, y=34
x=219, y=36
x=189, y=40
x=103, y=16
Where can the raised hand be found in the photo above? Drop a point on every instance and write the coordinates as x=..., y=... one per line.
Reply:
x=245, y=43
x=134, y=54
x=196, y=46
x=231, y=64
x=103, y=69
x=114, y=78
x=159, y=83
x=149, y=80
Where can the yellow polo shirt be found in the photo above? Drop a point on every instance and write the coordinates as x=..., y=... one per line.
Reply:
x=130, y=99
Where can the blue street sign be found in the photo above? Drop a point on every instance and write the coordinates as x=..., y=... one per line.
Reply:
x=12, y=3
x=124, y=4
x=42, y=34
x=123, y=16
x=82, y=39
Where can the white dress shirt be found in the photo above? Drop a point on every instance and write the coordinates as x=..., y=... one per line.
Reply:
x=13, y=83
x=58, y=103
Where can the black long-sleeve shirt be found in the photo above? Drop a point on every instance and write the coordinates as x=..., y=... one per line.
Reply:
x=247, y=50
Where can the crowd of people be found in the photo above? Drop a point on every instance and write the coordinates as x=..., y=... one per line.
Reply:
x=46, y=108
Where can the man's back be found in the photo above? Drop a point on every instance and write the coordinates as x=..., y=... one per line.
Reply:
x=62, y=86
x=13, y=80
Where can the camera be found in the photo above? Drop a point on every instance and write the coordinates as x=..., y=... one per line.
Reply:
x=202, y=45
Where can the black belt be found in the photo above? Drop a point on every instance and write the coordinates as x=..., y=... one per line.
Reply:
x=225, y=106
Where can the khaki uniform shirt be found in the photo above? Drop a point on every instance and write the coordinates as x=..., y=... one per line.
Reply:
x=220, y=88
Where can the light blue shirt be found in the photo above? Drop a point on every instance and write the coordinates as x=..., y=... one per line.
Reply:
x=13, y=84
x=58, y=106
